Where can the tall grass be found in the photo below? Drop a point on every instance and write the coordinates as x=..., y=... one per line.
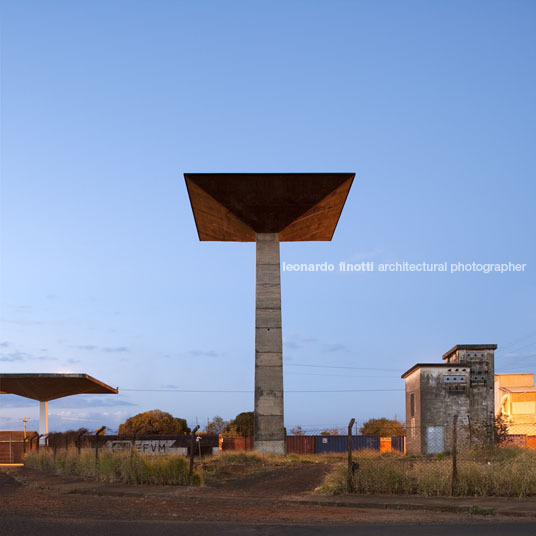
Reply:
x=115, y=467
x=509, y=473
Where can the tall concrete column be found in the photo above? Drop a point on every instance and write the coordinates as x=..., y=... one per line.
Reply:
x=43, y=421
x=269, y=421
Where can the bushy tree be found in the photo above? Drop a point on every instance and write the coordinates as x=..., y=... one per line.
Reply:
x=297, y=430
x=154, y=422
x=216, y=426
x=242, y=425
x=330, y=431
x=500, y=430
x=383, y=427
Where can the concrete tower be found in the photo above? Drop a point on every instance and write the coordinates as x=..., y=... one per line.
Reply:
x=267, y=208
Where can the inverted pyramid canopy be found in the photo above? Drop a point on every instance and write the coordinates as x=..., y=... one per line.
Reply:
x=237, y=206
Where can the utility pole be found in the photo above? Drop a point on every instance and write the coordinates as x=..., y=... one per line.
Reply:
x=25, y=420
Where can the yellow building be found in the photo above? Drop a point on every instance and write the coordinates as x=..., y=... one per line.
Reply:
x=515, y=399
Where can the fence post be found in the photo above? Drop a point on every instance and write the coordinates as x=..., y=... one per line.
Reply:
x=192, y=449
x=79, y=442
x=97, y=433
x=454, y=482
x=470, y=429
x=198, y=439
x=133, y=444
x=350, y=476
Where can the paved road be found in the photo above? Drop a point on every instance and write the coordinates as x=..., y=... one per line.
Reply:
x=10, y=525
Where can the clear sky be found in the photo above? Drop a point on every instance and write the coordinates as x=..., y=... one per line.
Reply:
x=104, y=105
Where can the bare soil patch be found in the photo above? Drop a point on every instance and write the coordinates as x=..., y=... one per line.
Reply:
x=259, y=498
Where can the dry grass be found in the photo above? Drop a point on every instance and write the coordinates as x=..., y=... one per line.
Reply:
x=231, y=464
x=501, y=472
x=115, y=467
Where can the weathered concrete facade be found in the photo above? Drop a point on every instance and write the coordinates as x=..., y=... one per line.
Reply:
x=462, y=386
x=269, y=425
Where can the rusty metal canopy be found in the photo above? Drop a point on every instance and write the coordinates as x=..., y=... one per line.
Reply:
x=237, y=206
x=44, y=387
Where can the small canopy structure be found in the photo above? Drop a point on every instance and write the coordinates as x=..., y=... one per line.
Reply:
x=45, y=387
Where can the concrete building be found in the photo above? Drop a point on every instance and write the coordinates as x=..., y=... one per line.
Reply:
x=267, y=208
x=461, y=386
x=515, y=400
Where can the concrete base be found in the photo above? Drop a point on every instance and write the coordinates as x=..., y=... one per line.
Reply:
x=271, y=447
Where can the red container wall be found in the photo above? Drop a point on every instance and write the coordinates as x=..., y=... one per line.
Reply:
x=236, y=443
x=300, y=445
x=12, y=446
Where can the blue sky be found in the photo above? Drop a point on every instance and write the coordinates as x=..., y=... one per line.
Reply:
x=104, y=105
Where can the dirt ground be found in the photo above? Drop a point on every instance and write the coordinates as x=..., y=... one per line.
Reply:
x=261, y=498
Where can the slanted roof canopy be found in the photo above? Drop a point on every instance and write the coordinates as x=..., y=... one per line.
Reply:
x=426, y=365
x=44, y=387
x=237, y=206
x=522, y=389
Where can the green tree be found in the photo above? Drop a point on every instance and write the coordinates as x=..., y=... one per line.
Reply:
x=330, y=431
x=243, y=424
x=154, y=422
x=216, y=426
x=383, y=427
x=500, y=430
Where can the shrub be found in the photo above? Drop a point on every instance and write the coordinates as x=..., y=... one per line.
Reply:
x=121, y=466
x=501, y=472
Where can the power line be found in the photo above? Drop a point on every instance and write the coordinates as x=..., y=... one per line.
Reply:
x=515, y=341
x=518, y=349
x=342, y=375
x=251, y=391
x=184, y=390
x=339, y=367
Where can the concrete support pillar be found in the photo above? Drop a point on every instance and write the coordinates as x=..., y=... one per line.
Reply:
x=43, y=421
x=269, y=421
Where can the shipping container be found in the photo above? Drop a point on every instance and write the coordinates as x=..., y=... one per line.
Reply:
x=326, y=444
x=519, y=440
x=13, y=445
x=300, y=444
x=236, y=443
x=365, y=442
x=398, y=443
x=156, y=445
x=385, y=444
